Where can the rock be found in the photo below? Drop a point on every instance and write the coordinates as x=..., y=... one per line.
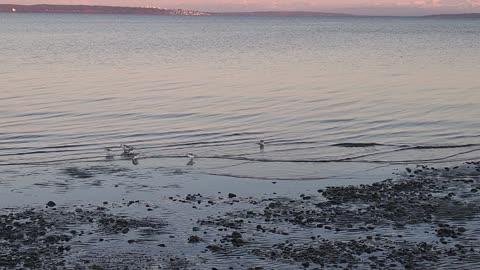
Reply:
x=51, y=204
x=236, y=235
x=214, y=248
x=194, y=239
x=231, y=195
x=96, y=267
x=445, y=230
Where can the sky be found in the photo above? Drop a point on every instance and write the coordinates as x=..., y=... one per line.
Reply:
x=364, y=7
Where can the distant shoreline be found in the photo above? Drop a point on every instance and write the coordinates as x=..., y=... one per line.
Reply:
x=94, y=9
x=455, y=16
x=84, y=9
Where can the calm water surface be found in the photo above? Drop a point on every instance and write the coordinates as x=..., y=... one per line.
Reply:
x=72, y=84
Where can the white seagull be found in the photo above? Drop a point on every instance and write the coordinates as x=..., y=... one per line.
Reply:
x=127, y=149
x=108, y=152
x=191, y=157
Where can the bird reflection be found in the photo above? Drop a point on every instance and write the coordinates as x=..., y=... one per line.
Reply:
x=135, y=159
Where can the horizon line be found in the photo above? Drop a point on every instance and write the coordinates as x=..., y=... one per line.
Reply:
x=339, y=14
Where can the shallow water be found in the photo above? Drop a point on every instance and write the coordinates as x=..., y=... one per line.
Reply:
x=338, y=100
x=72, y=84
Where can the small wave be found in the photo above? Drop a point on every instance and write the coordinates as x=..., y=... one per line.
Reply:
x=444, y=146
x=357, y=144
x=266, y=178
x=420, y=147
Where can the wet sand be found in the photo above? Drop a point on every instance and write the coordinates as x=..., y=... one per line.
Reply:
x=423, y=218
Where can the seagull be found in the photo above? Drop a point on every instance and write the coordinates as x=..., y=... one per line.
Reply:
x=127, y=149
x=261, y=143
x=108, y=151
x=135, y=159
x=191, y=157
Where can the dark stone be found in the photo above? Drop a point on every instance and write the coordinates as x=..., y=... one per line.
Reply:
x=51, y=204
x=194, y=239
x=214, y=248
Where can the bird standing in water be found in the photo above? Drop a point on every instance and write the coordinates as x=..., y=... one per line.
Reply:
x=261, y=143
x=127, y=149
x=191, y=157
x=108, y=153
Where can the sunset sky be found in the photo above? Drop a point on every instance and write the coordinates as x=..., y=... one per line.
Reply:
x=375, y=7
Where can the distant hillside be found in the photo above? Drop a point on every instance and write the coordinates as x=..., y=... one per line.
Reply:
x=84, y=9
x=455, y=16
x=80, y=9
x=284, y=14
